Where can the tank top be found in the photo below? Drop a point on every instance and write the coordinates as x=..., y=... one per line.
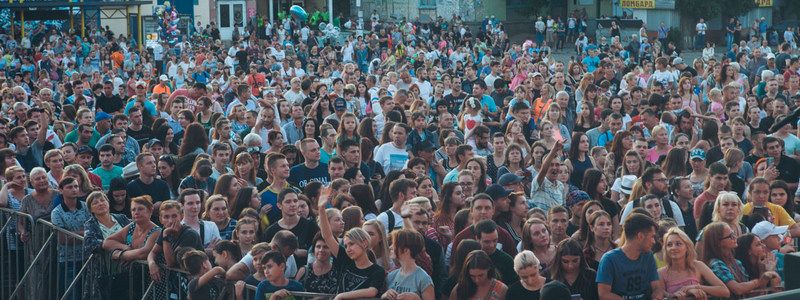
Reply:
x=578, y=168
x=674, y=285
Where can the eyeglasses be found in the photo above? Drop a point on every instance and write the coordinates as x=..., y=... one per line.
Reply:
x=731, y=236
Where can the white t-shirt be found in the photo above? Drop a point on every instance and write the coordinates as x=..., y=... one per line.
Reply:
x=665, y=77
x=384, y=219
x=391, y=157
x=701, y=28
x=210, y=232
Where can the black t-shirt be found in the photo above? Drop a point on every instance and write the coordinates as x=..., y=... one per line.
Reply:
x=142, y=136
x=352, y=278
x=454, y=102
x=304, y=231
x=158, y=189
x=210, y=290
x=241, y=55
x=788, y=169
x=517, y=291
x=187, y=238
x=109, y=105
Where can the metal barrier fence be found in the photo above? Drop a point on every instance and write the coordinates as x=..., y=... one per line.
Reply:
x=52, y=264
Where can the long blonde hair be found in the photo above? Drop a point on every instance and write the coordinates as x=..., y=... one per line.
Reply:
x=691, y=254
x=382, y=250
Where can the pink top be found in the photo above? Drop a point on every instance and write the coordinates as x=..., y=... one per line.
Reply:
x=673, y=286
x=653, y=154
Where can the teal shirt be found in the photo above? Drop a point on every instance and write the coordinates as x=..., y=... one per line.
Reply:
x=324, y=156
x=107, y=175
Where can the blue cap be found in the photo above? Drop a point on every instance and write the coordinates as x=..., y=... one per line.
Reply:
x=697, y=154
x=101, y=116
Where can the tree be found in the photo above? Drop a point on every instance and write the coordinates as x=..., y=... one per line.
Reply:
x=708, y=9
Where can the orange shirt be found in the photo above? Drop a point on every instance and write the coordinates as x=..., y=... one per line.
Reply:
x=162, y=89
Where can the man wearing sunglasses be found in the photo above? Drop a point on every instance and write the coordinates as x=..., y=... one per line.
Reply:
x=655, y=183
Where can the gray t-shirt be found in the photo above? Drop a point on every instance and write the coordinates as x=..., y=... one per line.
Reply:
x=416, y=282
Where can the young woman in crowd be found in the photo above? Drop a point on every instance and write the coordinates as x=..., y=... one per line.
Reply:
x=599, y=241
x=536, y=238
x=684, y=275
x=719, y=244
x=478, y=279
x=530, y=281
x=570, y=268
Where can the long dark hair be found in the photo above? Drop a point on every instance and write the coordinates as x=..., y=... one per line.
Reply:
x=160, y=133
x=477, y=259
x=365, y=130
x=316, y=130
x=194, y=137
x=674, y=165
x=591, y=178
x=583, y=232
x=568, y=247
x=710, y=131
x=364, y=198
x=574, y=149
x=446, y=205
x=618, y=149
x=119, y=184
x=789, y=205
x=742, y=253
x=172, y=180
x=460, y=255
x=242, y=201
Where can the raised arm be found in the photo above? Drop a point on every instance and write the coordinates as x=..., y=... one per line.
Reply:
x=325, y=226
x=547, y=161
x=44, y=121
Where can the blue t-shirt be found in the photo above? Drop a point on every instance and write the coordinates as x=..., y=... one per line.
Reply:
x=265, y=289
x=489, y=103
x=628, y=278
x=591, y=63
x=416, y=282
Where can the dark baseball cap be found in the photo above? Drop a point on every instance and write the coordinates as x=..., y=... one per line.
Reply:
x=339, y=104
x=153, y=142
x=422, y=146
x=509, y=178
x=497, y=191
x=84, y=149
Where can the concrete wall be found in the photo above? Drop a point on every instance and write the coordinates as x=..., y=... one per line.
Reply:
x=202, y=11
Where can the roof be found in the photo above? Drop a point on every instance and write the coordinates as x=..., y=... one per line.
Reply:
x=67, y=3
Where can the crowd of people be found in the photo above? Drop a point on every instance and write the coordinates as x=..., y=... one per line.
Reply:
x=429, y=161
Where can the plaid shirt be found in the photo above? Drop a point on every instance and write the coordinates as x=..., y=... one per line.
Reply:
x=724, y=272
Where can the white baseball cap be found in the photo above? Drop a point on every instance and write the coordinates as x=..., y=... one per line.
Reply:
x=765, y=229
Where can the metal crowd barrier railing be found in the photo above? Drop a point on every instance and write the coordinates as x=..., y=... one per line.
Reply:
x=13, y=253
x=52, y=264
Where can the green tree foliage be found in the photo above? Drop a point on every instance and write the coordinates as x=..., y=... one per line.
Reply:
x=709, y=9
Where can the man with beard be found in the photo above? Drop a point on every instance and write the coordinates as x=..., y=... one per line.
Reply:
x=655, y=183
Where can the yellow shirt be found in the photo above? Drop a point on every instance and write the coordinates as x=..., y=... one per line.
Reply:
x=780, y=215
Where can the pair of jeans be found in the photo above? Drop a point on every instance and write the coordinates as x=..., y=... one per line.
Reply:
x=700, y=42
